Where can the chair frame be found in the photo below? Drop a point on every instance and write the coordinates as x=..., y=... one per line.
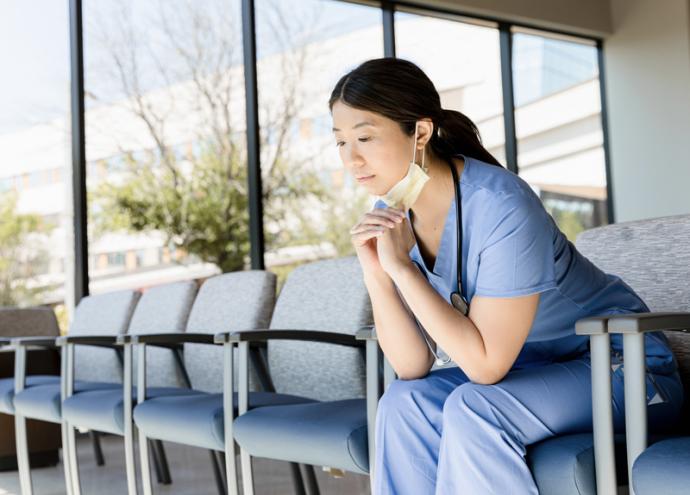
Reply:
x=632, y=326
x=364, y=338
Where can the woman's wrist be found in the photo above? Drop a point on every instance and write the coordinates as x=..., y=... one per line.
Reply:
x=377, y=279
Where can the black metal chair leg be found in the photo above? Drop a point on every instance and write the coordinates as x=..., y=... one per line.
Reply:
x=162, y=460
x=218, y=472
x=156, y=461
x=297, y=481
x=97, y=451
x=309, y=479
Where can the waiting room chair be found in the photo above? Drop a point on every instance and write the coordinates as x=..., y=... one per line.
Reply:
x=24, y=322
x=228, y=302
x=652, y=256
x=312, y=353
x=107, y=314
x=161, y=308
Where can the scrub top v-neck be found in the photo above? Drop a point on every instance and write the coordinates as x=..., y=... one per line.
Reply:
x=512, y=247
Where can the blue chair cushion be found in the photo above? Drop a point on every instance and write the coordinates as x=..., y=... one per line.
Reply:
x=43, y=401
x=564, y=465
x=664, y=467
x=330, y=434
x=7, y=389
x=103, y=410
x=195, y=420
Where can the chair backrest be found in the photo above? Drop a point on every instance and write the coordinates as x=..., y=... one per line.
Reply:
x=25, y=322
x=226, y=303
x=327, y=295
x=651, y=256
x=102, y=314
x=163, y=309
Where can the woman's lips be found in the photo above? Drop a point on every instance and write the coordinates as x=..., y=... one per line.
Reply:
x=364, y=178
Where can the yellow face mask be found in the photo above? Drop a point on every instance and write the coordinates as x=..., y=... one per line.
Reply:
x=403, y=194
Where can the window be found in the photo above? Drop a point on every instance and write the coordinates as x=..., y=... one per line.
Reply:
x=163, y=79
x=463, y=60
x=34, y=142
x=303, y=48
x=558, y=127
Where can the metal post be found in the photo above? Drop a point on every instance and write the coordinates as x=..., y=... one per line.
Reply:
x=602, y=414
x=143, y=441
x=228, y=418
x=243, y=407
x=635, y=392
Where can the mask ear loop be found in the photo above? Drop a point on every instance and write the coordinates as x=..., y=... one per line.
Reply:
x=414, y=145
x=414, y=151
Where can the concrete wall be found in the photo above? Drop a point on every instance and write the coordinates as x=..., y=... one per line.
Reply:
x=647, y=64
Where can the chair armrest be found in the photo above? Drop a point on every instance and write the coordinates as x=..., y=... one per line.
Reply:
x=649, y=322
x=98, y=340
x=168, y=339
x=366, y=333
x=592, y=325
x=263, y=335
x=37, y=341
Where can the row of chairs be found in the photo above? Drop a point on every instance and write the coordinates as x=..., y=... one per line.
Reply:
x=190, y=351
x=317, y=405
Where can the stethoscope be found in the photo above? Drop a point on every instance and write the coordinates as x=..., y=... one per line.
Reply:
x=457, y=299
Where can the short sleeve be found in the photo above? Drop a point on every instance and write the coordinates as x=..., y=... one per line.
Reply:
x=517, y=255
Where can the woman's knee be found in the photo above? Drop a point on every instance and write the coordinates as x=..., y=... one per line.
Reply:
x=467, y=403
x=405, y=397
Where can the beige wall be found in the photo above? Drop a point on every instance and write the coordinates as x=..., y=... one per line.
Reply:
x=648, y=90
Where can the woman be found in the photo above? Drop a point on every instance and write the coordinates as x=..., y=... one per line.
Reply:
x=522, y=373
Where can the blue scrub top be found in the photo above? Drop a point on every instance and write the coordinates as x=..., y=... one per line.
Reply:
x=512, y=247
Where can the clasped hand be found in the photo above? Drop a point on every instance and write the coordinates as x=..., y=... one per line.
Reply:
x=383, y=239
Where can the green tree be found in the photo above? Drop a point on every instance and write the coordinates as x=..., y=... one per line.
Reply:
x=21, y=253
x=199, y=202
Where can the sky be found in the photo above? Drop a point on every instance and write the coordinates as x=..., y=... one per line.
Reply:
x=34, y=46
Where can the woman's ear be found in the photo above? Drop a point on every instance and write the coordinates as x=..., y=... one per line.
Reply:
x=425, y=129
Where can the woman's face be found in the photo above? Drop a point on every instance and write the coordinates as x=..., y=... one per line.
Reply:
x=373, y=148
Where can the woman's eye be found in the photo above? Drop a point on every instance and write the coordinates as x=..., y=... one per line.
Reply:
x=362, y=140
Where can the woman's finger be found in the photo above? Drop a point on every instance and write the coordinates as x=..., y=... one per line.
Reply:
x=390, y=213
x=379, y=222
x=362, y=237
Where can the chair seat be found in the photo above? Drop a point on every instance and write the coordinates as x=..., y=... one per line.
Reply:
x=664, y=467
x=43, y=401
x=564, y=465
x=103, y=410
x=196, y=420
x=7, y=389
x=332, y=434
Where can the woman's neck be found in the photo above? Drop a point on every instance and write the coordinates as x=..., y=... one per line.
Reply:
x=431, y=207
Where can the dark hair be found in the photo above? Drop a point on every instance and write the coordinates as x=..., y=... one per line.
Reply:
x=401, y=91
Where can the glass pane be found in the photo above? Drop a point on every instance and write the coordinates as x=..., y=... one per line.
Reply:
x=36, y=260
x=464, y=62
x=304, y=47
x=558, y=127
x=165, y=141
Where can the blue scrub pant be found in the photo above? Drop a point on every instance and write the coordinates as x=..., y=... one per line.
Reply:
x=443, y=434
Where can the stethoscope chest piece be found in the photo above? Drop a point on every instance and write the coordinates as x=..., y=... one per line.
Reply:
x=459, y=303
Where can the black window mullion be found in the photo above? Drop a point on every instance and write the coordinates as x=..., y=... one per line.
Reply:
x=605, y=133
x=256, y=225
x=506, y=46
x=78, y=152
x=388, y=13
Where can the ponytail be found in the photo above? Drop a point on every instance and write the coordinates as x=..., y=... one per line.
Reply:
x=457, y=134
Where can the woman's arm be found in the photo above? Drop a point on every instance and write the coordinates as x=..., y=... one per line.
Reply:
x=396, y=330
x=484, y=344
